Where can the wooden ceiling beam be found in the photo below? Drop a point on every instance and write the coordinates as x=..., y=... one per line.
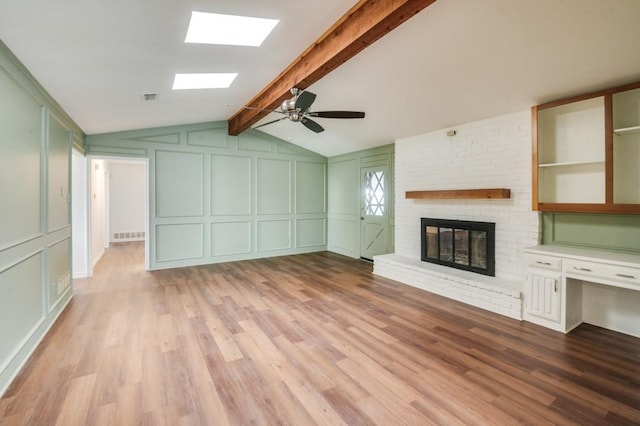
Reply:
x=361, y=26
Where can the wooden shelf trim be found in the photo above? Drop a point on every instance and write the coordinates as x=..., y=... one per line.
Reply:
x=460, y=194
x=613, y=208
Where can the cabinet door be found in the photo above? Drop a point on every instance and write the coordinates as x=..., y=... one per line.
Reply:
x=542, y=295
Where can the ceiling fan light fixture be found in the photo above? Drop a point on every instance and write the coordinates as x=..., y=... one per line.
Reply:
x=215, y=28
x=295, y=116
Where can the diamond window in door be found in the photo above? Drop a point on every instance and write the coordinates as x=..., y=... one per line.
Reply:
x=374, y=193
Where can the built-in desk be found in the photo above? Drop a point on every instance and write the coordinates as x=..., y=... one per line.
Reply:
x=567, y=286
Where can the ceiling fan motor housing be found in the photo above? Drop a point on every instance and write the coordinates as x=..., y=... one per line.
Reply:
x=288, y=105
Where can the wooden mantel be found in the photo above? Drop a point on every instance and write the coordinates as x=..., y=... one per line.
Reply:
x=460, y=194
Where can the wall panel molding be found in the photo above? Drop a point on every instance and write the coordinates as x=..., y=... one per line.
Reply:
x=274, y=235
x=231, y=185
x=311, y=232
x=179, y=242
x=215, y=137
x=119, y=151
x=21, y=296
x=179, y=184
x=249, y=179
x=231, y=238
x=167, y=138
x=310, y=189
x=273, y=186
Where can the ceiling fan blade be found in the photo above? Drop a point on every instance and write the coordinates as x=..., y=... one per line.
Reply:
x=304, y=101
x=270, y=122
x=337, y=114
x=312, y=125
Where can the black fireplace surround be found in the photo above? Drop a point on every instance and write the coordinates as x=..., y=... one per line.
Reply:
x=460, y=244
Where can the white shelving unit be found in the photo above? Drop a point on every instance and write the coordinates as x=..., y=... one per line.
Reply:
x=626, y=147
x=571, y=156
x=586, y=153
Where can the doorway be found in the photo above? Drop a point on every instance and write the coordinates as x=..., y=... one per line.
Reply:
x=115, y=208
x=374, y=218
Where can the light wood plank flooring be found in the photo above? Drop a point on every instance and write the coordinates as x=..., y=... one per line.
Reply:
x=308, y=339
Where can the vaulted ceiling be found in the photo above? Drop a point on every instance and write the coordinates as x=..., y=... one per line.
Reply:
x=456, y=61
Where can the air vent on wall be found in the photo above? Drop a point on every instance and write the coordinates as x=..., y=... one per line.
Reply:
x=147, y=97
x=128, y=236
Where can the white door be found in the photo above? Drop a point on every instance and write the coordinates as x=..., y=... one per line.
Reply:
x=374, y=216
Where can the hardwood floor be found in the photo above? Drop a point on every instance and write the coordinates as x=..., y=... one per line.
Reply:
x=308, y=339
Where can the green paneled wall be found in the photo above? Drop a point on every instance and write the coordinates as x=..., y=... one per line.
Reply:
x=179, y=182
x=20, y=133
x=35, y=232
x=602, y=231
x=231, y=185
x=273, y=186
x=216, y=198
x=58, y=171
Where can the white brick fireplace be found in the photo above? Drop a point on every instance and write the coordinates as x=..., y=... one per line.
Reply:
x=493, y=153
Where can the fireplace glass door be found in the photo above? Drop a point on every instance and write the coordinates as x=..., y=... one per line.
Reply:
x=460, y=244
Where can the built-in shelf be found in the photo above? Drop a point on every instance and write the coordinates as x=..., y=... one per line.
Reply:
x=586, y=151
x=460, y=194
x=627, y=130
x=570, y=163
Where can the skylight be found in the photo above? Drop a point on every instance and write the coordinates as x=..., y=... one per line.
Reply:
x=203, y=81
x=214, y=28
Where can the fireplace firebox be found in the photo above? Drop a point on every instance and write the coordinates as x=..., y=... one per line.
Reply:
x=460, y=244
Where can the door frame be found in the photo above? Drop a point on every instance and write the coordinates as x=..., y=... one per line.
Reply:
x=386, y=168
x=106, y=207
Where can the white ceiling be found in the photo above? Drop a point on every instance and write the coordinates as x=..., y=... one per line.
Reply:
x=456, y=61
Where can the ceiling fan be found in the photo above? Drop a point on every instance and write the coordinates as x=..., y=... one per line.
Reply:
x=296, y=109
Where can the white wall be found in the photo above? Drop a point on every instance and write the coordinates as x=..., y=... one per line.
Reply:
x=493, y=153
x=127, y=200
x=98, y=210
x=79, y=211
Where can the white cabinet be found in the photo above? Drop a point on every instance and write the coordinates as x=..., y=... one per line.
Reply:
x=543, y=295
x=567, y=286
x=543, y=291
